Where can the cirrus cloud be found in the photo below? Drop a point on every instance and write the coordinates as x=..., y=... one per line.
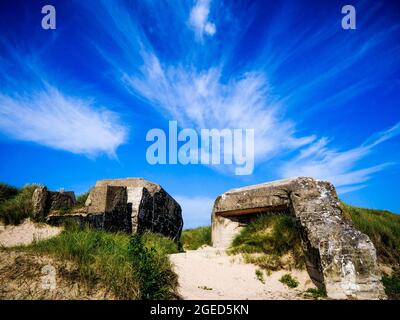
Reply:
x=52, y=119
x=199, y=21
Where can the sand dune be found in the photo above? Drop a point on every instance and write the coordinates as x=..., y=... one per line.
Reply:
x=26, y=233
x=210, y=273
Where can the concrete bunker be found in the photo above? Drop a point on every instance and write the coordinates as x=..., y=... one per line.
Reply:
x=339, y=258
x=149, y=206
x=132, y=205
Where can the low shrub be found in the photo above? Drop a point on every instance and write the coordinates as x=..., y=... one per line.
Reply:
x=392, y=285
x=260, y=275
x=314, y=293
x=289, y=281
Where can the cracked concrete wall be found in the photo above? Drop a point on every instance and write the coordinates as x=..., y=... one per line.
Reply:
x=339, y=258
x=150, y=206
x=45, y=201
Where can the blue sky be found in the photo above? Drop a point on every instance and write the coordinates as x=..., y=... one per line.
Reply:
x=76, y=102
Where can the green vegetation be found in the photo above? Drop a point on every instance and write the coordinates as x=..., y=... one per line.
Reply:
x=153, y=270
x=81, y=199
x=260, y=275
x=7, y=192
x=132, y=267
x=162, y=245
x=15, y=207
x=314, y=293
x=193, y=239
x=271, y=241
x=392, y=285
x=289, y=281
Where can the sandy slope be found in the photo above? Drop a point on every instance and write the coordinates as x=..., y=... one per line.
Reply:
x=25, y=275
x=25, y=233
x=209, y=273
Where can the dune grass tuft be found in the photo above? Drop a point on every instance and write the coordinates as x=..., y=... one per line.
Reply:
x=314, y=293
x=7, y=192
x=271, y=241
x=260, y=275
x=193, y=239
x=161, y=244
x=16, y=207
x=290, y=281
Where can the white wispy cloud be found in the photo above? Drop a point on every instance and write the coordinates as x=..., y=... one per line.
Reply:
x=199, y=19
x=196, y=210
x=197, y=95
x=319, y=161
x=200, y=99
x=52, y=119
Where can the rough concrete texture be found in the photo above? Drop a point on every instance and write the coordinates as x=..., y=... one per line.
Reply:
x=111, y=203
x=45, y=201
x=39, y=198
x=107, y=211
x=130, y=183
x=149, y=206
x=339, y=258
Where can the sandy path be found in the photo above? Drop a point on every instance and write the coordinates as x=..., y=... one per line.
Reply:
x=210, y=273
x=25, y=233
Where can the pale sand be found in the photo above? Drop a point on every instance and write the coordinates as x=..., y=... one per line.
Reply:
x=25, y=233
x=210, y=273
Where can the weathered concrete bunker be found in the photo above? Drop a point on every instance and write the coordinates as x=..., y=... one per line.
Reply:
x=44, y=201
x=339, y=258
x=131, y=205
x=149, y=206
